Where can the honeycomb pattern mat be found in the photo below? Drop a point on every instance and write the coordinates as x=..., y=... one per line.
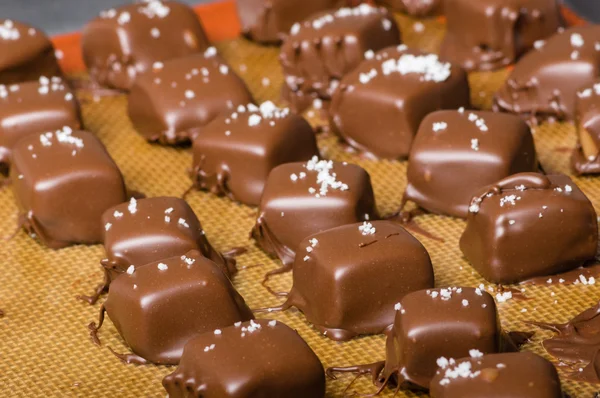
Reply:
x=44, y=345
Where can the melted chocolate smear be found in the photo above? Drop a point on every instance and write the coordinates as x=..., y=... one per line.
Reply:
x=516, y=293
x=268, y=310
x=2, y=314
x=93, y=328
x=99, y=290
x=406, y=219
x=235, y=251
x=373, y=369
x=519, y=339
x=245, y=267
x=573, y=277
x=129, y=358
x=589, y=374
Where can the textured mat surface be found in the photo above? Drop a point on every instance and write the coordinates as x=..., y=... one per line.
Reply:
x=44, y=345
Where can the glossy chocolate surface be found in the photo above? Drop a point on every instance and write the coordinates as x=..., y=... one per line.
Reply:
x=235, y=153
x=417, y=8
x=586, y=159
x=123, y=43
x=26, y=53
x=490, y=34
x=512, y=231
x=171, y=103
x=302, y=199
x=400, y=86
x=270, y=21
x=456, y=153
x=348, y=279
x=260, y=358
x=544, y=83
x=34, y=107
x=63, y=181
x=158, y=307
x=515, y=375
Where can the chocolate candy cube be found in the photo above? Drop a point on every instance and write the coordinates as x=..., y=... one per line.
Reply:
x=456, y=153
x=34, y=107
x=301, y=199
x=417, y=8
x=63, y=181
x=436, y=323
x=587, y=121
x=158, y=307
x=490, y=34
x=515, y=375
x=26, y=53
x=348, y=279
x=235, y=153
x=171, y=103
x=123, y=43
x=401, y=87
x=529, y=225
x=260, y=358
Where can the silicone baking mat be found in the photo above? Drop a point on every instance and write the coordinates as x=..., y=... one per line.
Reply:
x=45, y=349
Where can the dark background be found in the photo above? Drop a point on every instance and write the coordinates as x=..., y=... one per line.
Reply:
x=59, y=16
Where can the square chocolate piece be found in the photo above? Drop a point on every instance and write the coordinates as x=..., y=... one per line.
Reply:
x=26, y=53
x=32, y=108
x=252, y=359
x=431, y=324
x=63, y=181
x=301, y=199
x=456, y=153
x=123, y=43
x=269, y=21
x=348, y=279
x=171, y=103
x=400, y=86
x=417, y=8
x=491, y=34
x=529, y=225
x=587, y=121
x=158, y=307
x=235, y=153
x=515, y=375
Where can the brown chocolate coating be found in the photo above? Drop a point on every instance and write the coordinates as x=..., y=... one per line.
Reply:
x=63, y=181
x=252, y=359
x=235, y=152
x=294, y=205
x=529, y=225
x=417, y=8
x=490, y=34
x=123, y=43
x=171, y=103
x=544, y=83
x=586, y=159
x=269, y=21
x=400, y=86
x=456, y=153
x=515, y=375
x=348, y=279
x=26, y=53
x=33, y=107
x=430, y=324
x=158, y=307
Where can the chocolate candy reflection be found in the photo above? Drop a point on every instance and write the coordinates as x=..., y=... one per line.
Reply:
x=63, y=181
x=417, y=8
x=123, y=43
x=512, y=232
x=401, y=87
x=251, y=359
x=235, y=153
x=456, y=153
x=587, y=121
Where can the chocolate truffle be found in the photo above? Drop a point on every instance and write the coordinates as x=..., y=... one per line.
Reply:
x=529, y=225
x=544, y=83
x=172, y=102
x=401, y=87
x=63, y=181
x=456, y=153
x=34, y=107
x=587, y=122
x=348, y=279
x=252, y=359
x=123, y=43
x=145, y=230
x=490, y=34
x=436, y=323
x=302, y=199
x=235, y=153
x=26, y=53
x=159, y=306
x=269, y=21
x=515, y=375
x=322, y=49
x=417, y=8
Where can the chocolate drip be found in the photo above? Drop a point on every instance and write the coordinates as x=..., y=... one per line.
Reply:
x=215, y=183
x=265, y=238
x=407, y=220
x=129, y=358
